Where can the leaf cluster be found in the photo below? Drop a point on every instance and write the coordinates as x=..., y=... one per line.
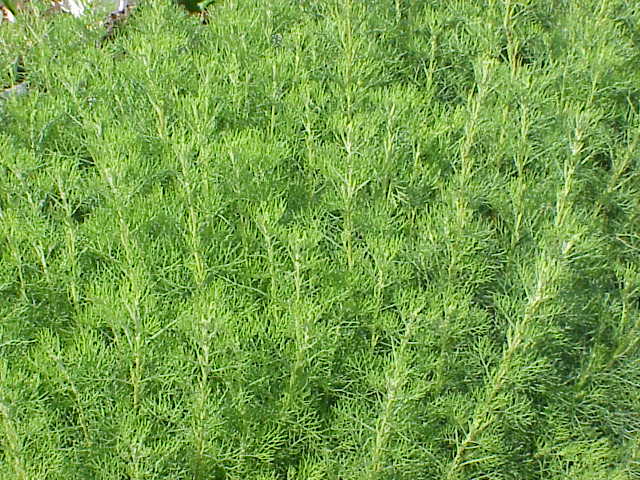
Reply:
x=343, y=239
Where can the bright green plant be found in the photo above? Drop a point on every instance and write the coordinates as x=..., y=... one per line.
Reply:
x=196, y=6
x=11, y=6
x=344, y=239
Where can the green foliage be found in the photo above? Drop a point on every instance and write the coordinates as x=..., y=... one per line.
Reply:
x=196, y=6
x=323, y=240
x=11, y=6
